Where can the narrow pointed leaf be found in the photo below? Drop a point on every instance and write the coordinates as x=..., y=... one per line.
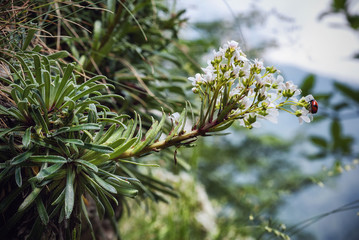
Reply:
x=58, y=55
x=124, y=147
x=27, y=137
x=48, y=159
x=69, y=193
x=29, y=199
x=48, y=171
x=97, y=148
x=29, y=37
x=104, y=184
x=21, y=157
x=87, y=164
x=42, y=211
x=18, y=178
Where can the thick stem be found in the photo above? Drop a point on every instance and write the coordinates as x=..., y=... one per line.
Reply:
x=168, y=143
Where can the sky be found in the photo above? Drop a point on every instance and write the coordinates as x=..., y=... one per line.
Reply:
x=323, y=47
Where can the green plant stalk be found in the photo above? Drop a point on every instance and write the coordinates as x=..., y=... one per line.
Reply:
x=157, y=146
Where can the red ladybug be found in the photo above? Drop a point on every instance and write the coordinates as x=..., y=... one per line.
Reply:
x=313, y=106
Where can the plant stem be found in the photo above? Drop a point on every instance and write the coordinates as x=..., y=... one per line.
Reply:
x=192, y=135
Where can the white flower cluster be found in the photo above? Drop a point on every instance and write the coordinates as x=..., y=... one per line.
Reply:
x=246, y=90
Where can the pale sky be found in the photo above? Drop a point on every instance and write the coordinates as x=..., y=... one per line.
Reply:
x=305, y=42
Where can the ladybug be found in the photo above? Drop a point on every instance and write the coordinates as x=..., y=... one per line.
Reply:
x=313, y=106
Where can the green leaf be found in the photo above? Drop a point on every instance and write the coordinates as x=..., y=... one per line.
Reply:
x=117, y=178
x=179, y=124
x=73, y=141
x=336, y=129
x=106, y=203
x=336, y=134
x=48, y=159
x=59, y=55
x=90, y=81
x=319, y=141
x=307, y=84
x=104, y=184
x=37, y=48
x=353, y=21
x=39, y=119
x=14, y=70
x=29, y=199
x=18, y=178
x=347, y=91
x=84, y=211
x=151, y=133
x=341, y=105
x=99, y=206
x=60, y=88
x=111, y=135
x=117, y=143
x=21, y=157
x=29, y=37
x=46, y=92
x=338, y=4
x=97, y=148
x=112, y=121
x=222, y=127
x=43, y=173
x=89, y=91
x=26, y=69
x=59, y=198
x=64, y=149
x=97, y=30
x=140, y=164
x=121, y=149
x=37, y=65
x=81, y=127
x=4, y=131
x=69, y=193
x=27, y=137
x=42, y=211
x=128, y=192
x=87, y=164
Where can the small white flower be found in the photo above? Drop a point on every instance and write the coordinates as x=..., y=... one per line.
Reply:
x=209, y=74
x=243, y=57
x=258, y=63
x=309, y=98
x=259, y=79
x=262, y=94
x=278, y=83
x=245, y=102
x=279, y=79
x=197, y=79
x=269, y=79
x=236, y=70
x=305, y=116
x=272, y=115
x=233, y=44
x=302, y=114
x=227, y=74
x=290, y=90
x=234, y=91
